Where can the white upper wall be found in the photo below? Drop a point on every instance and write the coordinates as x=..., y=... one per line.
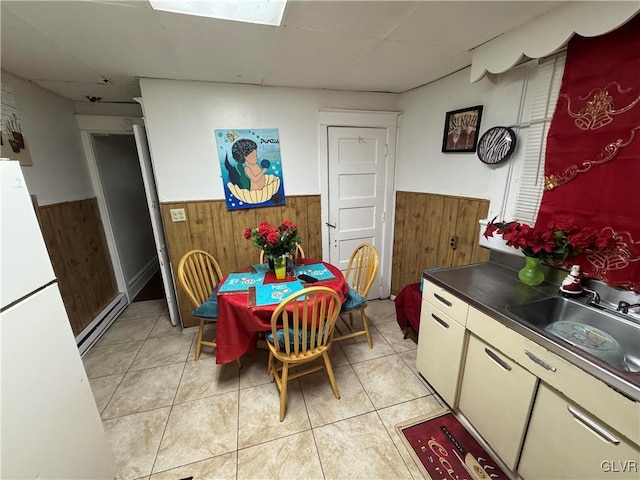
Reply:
x=421, y=166
x=181, y=118
x=59, y=172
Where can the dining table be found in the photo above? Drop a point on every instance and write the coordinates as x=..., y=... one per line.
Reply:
x=248, y=297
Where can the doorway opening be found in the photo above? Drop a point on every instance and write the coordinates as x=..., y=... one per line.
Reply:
x=120, y=177
x=120, y=167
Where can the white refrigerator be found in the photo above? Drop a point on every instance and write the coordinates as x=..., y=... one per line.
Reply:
x=50, y=427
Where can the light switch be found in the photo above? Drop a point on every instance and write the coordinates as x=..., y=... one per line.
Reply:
x=178, y=215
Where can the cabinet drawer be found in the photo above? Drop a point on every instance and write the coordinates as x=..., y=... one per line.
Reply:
x=445, y=301
x=496, y=397
x=613, y=408
x=587, y=448
x=440, y=345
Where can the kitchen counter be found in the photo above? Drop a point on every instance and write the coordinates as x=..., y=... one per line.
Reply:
x=491, y=288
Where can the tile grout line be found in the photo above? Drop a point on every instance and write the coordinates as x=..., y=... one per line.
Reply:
x=349, y=363
x=164, y=431
x=155, y=459
x=391, y=438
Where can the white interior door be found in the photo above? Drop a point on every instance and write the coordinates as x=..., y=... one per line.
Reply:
x=156, y=220
x=357, y=167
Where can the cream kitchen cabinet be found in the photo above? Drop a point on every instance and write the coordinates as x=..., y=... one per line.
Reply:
x=565, y=441
x=496, y=397
x=442, y=340
x=440, y=346
x=542, y=415
x=613, y=408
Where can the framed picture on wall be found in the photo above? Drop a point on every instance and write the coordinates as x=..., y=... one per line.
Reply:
x=251, y=167
x=461, y=129
x=13, y=142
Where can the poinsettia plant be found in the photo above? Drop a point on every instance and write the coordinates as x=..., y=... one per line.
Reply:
x=554, y=243
x=275, y=241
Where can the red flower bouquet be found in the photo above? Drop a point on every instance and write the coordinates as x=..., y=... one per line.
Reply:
x=555, y=243
x=275, y=241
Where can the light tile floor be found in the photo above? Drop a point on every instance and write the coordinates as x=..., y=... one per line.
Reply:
x=169, y=417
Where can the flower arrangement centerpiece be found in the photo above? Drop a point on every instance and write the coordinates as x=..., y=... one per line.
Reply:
x=552, y=244
x=277, y=242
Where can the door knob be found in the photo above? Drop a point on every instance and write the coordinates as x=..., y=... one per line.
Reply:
x=329, y=225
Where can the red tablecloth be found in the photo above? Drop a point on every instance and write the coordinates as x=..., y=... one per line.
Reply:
x=408, y=303
x=239, y=325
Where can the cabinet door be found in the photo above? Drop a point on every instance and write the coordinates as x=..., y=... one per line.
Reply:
x=496, y=397
x=616, y=410
x=564, y=441
x=440, y=346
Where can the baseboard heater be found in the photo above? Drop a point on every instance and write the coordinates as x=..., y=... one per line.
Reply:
x=92, y=333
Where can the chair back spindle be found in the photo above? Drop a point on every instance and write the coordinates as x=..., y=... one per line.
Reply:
x=362, y=268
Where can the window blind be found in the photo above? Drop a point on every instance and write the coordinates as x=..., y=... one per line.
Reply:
x=544, y=90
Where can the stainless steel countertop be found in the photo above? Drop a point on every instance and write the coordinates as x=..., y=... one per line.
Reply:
x=491, y=288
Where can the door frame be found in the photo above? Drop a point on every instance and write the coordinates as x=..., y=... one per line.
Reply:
x=96, y=125
x=330, y=117
x=155, y=215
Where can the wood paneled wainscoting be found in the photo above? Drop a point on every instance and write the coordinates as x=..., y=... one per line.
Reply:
x=77, y=245
x=213, y=228
x=424, y=226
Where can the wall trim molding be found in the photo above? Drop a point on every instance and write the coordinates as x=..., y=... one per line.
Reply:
x=108, y=124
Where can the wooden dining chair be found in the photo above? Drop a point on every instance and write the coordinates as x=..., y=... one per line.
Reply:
x=301, y=332
x=298, y=253
x=199, y=275
x=361, y=272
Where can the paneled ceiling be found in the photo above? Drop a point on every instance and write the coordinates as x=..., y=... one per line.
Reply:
x=100, y=48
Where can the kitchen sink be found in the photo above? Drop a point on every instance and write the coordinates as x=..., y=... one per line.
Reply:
x=610, y=338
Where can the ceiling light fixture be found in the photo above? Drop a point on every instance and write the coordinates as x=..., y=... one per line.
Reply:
x=265, y=12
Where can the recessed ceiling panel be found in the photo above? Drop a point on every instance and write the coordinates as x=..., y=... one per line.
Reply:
x=464, y=25
x=218, y=50
x=30, y=54
x=118, y=38
x=373, y=46
x=374, y=20
x=381, y=65
x=313, y=59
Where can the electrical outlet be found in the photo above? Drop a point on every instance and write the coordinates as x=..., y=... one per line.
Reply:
x=453, y=242
x=178, y=215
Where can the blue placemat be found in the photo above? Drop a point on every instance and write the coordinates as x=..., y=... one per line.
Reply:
x=316, y=270
x=240, y=282
x=274, y=293
x=261, y=268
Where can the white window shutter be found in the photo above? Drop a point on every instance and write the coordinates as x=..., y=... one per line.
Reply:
x=545, y=90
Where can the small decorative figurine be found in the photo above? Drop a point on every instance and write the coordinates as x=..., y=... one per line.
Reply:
x=571, y=284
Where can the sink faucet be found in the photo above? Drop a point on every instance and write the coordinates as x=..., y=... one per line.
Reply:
x=595, y=297
x=625, y=306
